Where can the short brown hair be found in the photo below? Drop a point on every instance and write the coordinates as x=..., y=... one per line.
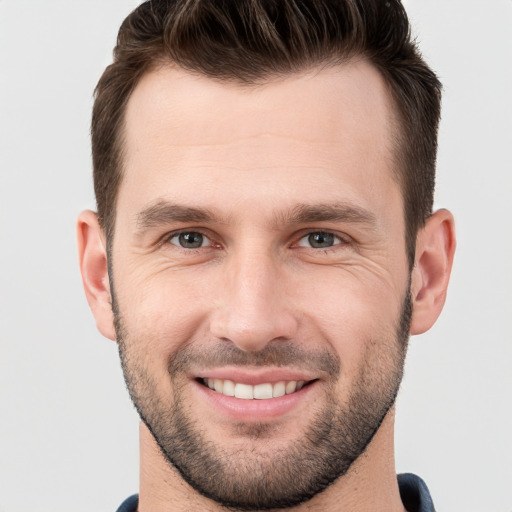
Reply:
x=250, y=41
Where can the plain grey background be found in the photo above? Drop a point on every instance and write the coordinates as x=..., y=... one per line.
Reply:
x=68, y=433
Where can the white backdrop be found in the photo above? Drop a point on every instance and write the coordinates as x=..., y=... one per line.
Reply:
x=68, y=433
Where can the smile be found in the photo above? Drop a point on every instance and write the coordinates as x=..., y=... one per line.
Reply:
x=262, y=391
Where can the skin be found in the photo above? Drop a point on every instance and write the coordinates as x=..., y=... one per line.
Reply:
x=251, y=157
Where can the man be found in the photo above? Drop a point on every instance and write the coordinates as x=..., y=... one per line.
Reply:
x=264, y=246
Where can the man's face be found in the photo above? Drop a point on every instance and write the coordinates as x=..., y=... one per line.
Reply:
x=259, y=249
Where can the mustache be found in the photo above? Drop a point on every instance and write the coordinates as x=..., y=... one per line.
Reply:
x=276, y=353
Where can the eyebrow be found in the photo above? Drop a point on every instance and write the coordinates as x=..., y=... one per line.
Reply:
x=164, y=212
x=337, y=212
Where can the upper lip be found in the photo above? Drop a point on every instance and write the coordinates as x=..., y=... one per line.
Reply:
x=255, y=376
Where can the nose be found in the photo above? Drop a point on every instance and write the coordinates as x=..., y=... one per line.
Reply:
x=254, y=306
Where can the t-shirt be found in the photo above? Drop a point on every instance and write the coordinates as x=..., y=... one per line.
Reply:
x=413, y=491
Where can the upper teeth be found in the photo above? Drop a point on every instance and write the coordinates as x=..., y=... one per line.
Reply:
x=248, y=392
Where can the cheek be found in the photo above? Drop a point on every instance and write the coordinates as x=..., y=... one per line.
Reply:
x=162, y=312
x=356, y=313
x=348, y=308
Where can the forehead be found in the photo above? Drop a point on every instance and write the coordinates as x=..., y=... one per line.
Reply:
x=286, y=135
x=340, y=97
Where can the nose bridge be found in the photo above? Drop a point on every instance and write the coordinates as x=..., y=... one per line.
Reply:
x=253, y=309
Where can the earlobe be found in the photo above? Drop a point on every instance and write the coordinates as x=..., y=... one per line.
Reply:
x=93, y=266
x=435, y=248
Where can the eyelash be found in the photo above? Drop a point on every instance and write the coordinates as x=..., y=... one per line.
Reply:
x=339, y=240
x=170, y=236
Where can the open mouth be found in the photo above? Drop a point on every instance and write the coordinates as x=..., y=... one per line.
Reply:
x=262, y=391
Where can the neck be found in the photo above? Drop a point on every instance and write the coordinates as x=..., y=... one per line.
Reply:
x=369, y=485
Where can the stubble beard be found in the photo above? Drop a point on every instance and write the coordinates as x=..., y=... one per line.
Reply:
x=252, y=477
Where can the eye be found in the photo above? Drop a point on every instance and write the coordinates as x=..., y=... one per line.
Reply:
x=319, y=240
x=190, y=240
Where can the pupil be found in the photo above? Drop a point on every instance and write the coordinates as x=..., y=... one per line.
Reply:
x=191, y=240
x=321, y=240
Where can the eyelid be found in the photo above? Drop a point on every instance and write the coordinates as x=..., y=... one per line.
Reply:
x=166, y=239
x=340, y=239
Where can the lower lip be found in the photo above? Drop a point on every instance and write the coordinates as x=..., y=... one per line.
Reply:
x=255, y=410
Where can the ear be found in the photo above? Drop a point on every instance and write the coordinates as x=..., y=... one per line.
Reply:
x=435, y=247
x=92, y=254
